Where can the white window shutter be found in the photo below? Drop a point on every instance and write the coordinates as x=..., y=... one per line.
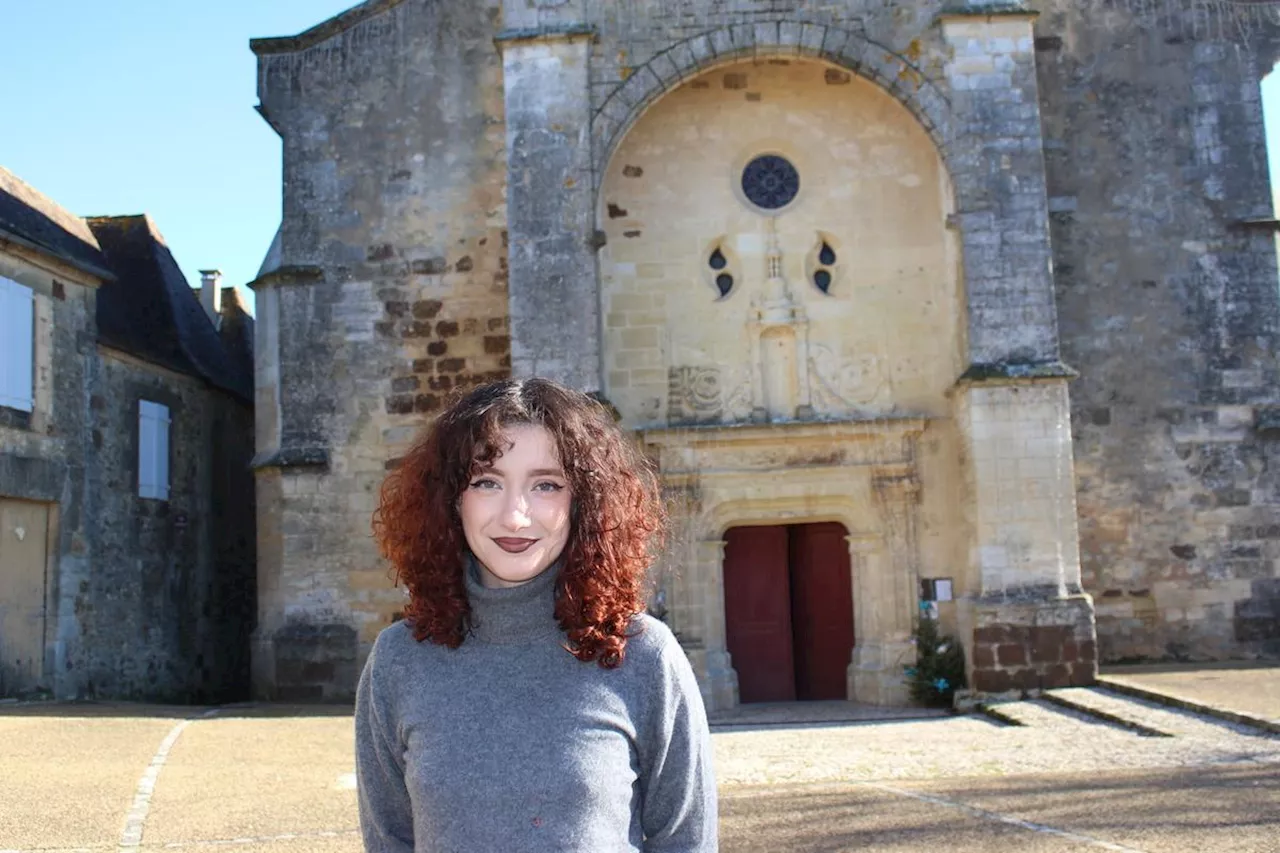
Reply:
x=17, y=345
x=153, y=450
x=146, y=451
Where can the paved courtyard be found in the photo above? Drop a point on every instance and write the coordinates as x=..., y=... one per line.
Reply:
x=1090, y=770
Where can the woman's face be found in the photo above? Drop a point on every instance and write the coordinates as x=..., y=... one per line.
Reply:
x=515, y=513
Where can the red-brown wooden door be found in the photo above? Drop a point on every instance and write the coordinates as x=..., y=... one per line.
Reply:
x=757, y=605
x=821, y=608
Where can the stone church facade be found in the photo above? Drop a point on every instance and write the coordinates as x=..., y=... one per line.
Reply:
x=973, y=302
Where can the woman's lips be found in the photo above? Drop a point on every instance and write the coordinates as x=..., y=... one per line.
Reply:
x=515, y=546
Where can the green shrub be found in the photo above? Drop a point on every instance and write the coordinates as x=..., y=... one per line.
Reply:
x=939, y=669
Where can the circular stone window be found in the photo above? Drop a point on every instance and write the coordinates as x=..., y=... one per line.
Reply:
x=770, y=182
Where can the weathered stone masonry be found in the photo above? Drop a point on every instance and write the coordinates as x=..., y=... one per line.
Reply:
x=1094, y=164
x=109, y=593
x=1167, y=305
x=390, y=293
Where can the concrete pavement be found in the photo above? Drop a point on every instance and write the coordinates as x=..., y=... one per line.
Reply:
x=278, y=779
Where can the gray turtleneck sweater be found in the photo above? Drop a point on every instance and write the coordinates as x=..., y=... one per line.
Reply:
x=509, y=743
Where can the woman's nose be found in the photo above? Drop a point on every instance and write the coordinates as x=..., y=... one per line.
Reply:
x=515, y=513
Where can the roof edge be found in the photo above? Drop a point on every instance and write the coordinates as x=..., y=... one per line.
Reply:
x=101, y=273
x=324, y=30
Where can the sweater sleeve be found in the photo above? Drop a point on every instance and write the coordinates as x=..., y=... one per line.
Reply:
x=679, y=807
x=386, y=813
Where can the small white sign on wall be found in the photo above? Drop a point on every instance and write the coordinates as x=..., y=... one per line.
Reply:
x=942, y=589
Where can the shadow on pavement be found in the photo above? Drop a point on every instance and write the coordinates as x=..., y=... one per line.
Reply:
x=139, y=710
x=1222, y=808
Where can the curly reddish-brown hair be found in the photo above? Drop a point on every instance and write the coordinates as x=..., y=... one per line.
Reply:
x=617, y=517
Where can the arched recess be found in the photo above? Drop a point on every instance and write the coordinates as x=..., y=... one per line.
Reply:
x=848, y=50
x=870, y=168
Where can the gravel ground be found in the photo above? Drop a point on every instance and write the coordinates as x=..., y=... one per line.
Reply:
x=1053, y=740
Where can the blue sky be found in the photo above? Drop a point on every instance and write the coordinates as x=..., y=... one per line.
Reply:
x=147, y=106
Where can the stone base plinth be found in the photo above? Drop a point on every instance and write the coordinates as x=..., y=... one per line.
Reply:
x=877, y=677
x=717, y=677
x=304, y=662
x=1033, y=643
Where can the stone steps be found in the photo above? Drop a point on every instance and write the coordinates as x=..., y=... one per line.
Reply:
x=1120, y=712
x=1042, y=714
x=1136, y=712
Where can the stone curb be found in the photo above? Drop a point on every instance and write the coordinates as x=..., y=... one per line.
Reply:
x=1105, y=716
x=1171, y=701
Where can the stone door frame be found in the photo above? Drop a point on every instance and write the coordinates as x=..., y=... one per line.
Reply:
x=863, y=476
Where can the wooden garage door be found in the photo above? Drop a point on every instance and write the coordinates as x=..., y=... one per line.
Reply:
x=24, y=535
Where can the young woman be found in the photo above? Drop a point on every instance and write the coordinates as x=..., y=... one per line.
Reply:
x=526, y=703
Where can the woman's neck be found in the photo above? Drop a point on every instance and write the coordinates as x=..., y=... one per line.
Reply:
x=512, y=615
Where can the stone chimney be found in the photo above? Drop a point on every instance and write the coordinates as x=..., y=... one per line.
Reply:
x=211, y=293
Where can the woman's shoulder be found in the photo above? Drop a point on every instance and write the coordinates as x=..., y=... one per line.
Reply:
x=393, y=643
x=650, y=639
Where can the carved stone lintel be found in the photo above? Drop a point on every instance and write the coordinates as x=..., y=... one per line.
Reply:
x=896, y=489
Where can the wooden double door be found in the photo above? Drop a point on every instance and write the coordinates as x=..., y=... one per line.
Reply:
x=788, y=599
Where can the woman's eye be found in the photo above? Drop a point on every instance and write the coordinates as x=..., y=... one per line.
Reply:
x=548, y=487
x=485, y=483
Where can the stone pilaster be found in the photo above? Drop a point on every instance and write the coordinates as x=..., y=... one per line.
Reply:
x=1032, y=624
x=875, y=674
x=997, y=162
x=885, y=571
x=554, y=299
x=714, y=666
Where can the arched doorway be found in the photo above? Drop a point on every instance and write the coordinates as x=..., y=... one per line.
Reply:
x=788, y=597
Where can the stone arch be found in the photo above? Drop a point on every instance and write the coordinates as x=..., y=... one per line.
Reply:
x=848, y=50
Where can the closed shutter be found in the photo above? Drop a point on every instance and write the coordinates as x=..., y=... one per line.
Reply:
x=17, y=345
x=153, y=450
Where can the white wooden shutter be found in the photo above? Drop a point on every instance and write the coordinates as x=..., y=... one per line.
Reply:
x=17, y=345
x=153, y=450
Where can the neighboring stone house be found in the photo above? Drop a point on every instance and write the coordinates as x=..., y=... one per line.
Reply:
x=126, y=503
x=837, y=265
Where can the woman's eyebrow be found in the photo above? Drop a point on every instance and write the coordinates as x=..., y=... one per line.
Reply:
x=537, y=472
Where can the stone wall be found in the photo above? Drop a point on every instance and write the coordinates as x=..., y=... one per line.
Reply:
x=391, y=295
x=1094, y=174
x=170, y=603
x=44, y=454
x=1168, y=308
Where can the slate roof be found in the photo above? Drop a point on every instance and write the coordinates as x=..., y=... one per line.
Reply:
x=30, y=218
x=150, y=310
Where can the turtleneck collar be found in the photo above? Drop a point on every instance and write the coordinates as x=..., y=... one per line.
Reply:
x=512, y=615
